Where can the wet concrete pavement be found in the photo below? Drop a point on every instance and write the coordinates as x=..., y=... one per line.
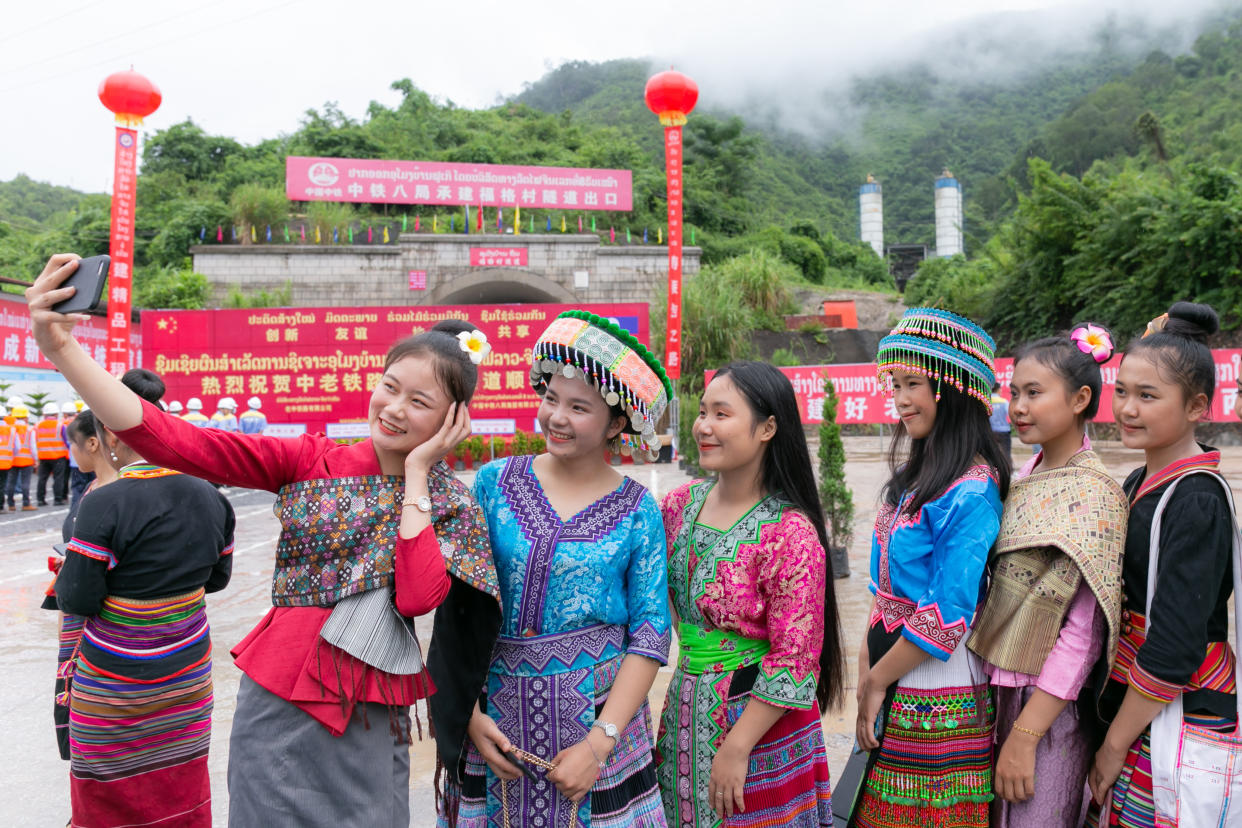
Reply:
x=35, y=780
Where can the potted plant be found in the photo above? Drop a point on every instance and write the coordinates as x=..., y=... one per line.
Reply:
x=460, y=453
x=834, y=495
x=477, y=449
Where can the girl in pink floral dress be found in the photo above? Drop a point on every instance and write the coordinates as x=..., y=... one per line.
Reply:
x=740, y=740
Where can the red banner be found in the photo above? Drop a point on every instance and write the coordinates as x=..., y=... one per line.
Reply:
x=860, y=399
x=19, y=351
x=376, y=181
x=121, y=249
x=318, y=366
x=498, y=256
x=672, y=340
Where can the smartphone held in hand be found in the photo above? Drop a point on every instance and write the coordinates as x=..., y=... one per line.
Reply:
x=89, y=280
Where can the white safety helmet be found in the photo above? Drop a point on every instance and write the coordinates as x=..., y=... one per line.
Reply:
x=69, y=408
x=254, y=403
x=227, y=403
x=194, y=404
x=51, y=410
x=175, y=407
x=4, y=412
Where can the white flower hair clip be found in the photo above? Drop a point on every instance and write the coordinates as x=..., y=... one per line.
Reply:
x=475, y=344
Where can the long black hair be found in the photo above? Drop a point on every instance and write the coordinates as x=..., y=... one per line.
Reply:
x=786, y=472
x=1076, y=368
x=1181, y=351
x=458, y=376
x=959, y=434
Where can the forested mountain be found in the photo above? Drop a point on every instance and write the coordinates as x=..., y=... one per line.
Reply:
x=1095, y=122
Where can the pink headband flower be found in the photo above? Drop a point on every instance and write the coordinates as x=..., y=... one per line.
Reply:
x=1093, y=340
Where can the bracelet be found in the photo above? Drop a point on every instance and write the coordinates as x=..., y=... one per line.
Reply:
x=1028, y=731
x=593, y=753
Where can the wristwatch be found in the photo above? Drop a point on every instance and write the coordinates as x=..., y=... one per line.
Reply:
x=610, y=730
x=423, y=504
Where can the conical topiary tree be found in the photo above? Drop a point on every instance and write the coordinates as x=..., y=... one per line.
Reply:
x=834, y=495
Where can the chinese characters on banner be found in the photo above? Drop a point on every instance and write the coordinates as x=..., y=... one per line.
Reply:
x=18, y=349
x=860, y=398
x=672, y=340
x=318, y=366
x=121, y=249
x=498, y=256
x=375, y=181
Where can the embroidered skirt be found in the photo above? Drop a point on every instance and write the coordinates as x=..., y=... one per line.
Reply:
x=544, y=692
x=787, y=779
x=138, y=746
x=934, y=763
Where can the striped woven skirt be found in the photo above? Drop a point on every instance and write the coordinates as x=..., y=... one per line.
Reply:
x=138, y=742
x=70, y=634
x=543, y=708
x=934, y=763
x=787, y=779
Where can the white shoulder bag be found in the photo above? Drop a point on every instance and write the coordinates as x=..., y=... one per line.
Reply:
x=1196, y=772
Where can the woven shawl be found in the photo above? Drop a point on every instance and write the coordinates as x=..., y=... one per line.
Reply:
x=1059, y=527
x=339, y=536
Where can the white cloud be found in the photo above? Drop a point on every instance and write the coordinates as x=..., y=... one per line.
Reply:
x=250, y=68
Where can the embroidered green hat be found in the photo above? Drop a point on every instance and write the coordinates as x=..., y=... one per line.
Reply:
x=943, y=347
x=613, y=362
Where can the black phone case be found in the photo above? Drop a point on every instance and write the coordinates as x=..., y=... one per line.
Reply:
x=89, y=279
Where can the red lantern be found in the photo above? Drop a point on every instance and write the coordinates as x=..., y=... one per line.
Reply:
x=671, y=95
x=130, y=95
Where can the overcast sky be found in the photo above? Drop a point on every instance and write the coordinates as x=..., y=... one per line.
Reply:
x=250, y=68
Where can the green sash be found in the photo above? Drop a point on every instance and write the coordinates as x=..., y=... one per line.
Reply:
x=716, y=651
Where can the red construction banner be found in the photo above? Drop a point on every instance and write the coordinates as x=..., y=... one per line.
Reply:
x=861, y=401
x=121, y=249
x=375, y=181
x=19, y=351
x=317, y=366
x=672, y=341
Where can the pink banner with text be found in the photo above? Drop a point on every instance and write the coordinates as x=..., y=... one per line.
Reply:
x=498, y=257
x=375, y=181
x=860, y=399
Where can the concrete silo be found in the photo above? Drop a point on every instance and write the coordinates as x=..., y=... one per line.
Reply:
x=949, y=216
x=871, y=215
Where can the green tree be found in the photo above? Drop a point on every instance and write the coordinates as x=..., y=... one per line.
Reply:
x=834, y=495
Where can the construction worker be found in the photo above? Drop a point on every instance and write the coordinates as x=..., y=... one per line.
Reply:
x=252, y=421
x=6, y=449
x=194, y=413
x=225, y=417
x=176, y=408
x=53, y=458
x=24, y=453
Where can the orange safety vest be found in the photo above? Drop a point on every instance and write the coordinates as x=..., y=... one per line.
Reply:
x=23, y=446
x=48, y=442
x=6, y=445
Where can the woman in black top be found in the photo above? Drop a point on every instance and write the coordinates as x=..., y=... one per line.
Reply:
x=145, y=549
x=1164, y=388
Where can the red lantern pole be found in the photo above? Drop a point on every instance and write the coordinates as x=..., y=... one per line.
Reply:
x=131, y=97
x=671, y=95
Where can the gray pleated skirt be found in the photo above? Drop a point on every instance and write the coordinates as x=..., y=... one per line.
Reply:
x=287, y=771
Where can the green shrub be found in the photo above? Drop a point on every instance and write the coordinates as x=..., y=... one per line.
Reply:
x=784, y=358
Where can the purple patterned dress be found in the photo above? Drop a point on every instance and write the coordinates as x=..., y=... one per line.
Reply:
x=578, y=596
